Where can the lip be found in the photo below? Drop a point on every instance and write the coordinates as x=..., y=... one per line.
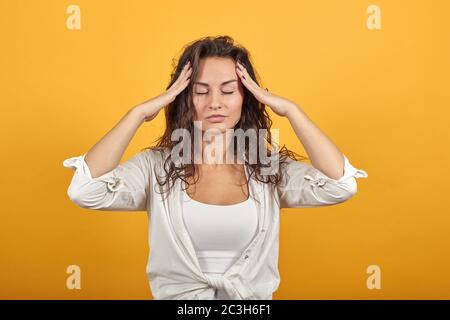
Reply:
x=216, y=118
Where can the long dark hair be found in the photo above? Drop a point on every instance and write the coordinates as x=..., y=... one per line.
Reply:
x=179, y=114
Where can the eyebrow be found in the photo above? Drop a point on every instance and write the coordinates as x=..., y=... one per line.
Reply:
x=207, y=85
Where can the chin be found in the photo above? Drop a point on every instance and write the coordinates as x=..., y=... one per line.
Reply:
x=222, y=126
x=216, y=126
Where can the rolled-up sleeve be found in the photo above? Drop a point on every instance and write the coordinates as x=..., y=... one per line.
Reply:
x=304, y=186
x=125, y=188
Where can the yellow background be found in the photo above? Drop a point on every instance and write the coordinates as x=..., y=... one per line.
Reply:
x=381, y=95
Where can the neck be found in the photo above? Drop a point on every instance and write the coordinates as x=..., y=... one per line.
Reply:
x=215, y=148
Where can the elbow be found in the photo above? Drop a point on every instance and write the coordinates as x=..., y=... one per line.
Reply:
x=352, y=186
x=350, y=189
x=342, y=191
x=76, y=197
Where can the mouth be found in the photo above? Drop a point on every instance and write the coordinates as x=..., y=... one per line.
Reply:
x=216, y=118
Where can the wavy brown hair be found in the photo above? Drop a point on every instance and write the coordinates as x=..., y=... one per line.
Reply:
x=179, y=113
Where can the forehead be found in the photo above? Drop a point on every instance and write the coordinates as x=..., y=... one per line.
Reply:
x=215, y=71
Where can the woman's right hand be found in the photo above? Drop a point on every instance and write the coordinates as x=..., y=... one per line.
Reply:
x=150, y=108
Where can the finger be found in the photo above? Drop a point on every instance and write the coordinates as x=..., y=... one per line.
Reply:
x=184, y=84
x=186, y=68
x=185, y=73
x=246, y=79
x=242, y=77
x=246, y=82
x=240, y=70
x=183, y=76
x=246, y=74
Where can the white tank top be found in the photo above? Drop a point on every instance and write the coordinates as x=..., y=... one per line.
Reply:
x=219, y=233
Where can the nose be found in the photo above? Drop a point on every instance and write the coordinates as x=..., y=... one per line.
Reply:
x=215, y=107
x=215, y=102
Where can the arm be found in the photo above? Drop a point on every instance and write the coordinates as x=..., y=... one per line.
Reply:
x=304, y=186
x=125, y=188
x=100, y=182
x=331, y=178
x=324, y=154
x=105, y=155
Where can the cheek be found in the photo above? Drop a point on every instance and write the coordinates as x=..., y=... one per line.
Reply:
x=236, y=108
x=197, y=109
x=236, y=113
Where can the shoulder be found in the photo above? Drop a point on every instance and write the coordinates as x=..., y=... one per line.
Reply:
x=292, y=164
x=155, y=154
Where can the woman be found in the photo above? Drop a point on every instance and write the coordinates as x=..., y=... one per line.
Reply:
x=214, y=227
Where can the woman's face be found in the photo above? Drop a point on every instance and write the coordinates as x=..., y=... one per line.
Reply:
x=217, y=90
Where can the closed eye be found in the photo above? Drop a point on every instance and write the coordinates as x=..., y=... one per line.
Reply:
x=207, y=92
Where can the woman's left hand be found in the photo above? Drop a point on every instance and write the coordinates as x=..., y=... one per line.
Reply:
x=278, y=104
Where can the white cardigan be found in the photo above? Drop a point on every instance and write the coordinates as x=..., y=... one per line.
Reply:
x=173, y=269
